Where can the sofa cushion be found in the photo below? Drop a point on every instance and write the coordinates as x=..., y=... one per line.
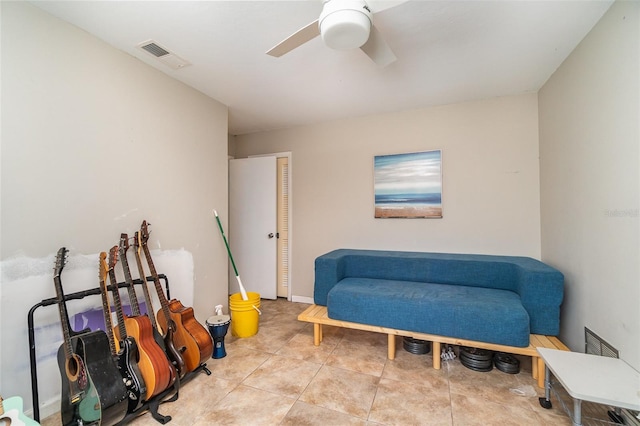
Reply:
x=473, y=313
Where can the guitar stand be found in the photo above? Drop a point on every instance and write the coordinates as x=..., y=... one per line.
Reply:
x=152, y=405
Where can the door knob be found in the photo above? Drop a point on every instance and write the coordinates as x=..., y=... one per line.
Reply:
x=270, y=235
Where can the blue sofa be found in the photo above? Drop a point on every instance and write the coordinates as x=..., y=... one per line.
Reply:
x=493, y=299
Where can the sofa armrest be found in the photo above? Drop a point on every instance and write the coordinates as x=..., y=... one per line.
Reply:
x=541, y=289
x=329, y=269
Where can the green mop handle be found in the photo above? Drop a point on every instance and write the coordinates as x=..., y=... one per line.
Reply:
x=226, y=243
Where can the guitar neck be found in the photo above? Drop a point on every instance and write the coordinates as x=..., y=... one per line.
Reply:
x=106, y=309
x=64, y=316
x=145, y=288
x=156, y=281
x=133, y=298
x=118, y=303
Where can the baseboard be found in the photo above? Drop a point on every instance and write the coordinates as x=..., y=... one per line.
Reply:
x=302, y=299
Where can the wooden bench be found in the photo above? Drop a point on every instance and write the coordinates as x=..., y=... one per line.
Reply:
x=317, y=315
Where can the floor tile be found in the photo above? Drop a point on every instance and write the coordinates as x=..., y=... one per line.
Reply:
x=303, y=414
x=359, y=357
x=238, y=363
x=245, y=406
x=283, y=376
x=406, y=403
x=476, y=410
x=302, y=347
x=341, y=390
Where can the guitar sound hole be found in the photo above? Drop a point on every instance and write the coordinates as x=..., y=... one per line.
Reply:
x=76, y=372
x=72, y=367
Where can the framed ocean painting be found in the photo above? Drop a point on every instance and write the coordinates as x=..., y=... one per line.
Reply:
x=408, y=185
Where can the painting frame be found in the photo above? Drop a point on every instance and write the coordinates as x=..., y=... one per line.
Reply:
x=408, y=185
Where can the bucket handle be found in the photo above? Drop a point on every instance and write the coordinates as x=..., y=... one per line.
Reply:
x=254, y=307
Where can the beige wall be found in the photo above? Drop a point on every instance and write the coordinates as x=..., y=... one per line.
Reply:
x=93, y=142
x=590, y=183
x=490, y=178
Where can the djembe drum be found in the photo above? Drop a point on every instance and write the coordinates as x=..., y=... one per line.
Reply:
x=218, y=326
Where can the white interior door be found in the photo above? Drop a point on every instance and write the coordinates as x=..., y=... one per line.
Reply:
x=252, y=224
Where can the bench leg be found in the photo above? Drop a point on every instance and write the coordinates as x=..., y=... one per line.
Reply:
x=435, y=348
x=534, y=367
x=317, y=334
x=391, y=338
x=541, y=367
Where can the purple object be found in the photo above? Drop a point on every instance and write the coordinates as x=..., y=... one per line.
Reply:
x=94, y=318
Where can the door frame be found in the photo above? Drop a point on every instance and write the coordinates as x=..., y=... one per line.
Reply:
x=288, y=155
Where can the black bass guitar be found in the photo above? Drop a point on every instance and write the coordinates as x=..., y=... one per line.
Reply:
x=126, y=357
x=92, y=389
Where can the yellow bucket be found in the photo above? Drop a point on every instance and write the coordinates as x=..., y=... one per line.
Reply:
x=245, y=314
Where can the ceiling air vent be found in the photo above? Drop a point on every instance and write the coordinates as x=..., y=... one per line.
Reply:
x=163, y=55
x=154, y=49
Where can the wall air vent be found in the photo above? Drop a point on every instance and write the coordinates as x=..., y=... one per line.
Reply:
x=163, y=55
x=595, y=345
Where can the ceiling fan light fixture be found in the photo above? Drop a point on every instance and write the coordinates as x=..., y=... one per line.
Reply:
x=346, y=29
x=345, y=24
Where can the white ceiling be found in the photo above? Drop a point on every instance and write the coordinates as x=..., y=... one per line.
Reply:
x=448, y=52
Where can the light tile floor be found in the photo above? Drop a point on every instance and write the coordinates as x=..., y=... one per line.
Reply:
x=278, y=377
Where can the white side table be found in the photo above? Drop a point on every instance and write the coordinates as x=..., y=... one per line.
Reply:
x=593, y=378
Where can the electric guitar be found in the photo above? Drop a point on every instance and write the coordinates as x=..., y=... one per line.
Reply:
x=128, y=353
x=12, y=414
x=92, y=388
x=189, y=333
x=157, y=370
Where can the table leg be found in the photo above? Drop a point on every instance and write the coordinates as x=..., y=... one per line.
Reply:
x=577, y=412
x=546, y=401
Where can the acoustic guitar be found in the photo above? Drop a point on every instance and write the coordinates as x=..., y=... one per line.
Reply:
x=156, y=368
x=92, y=388
x=145, y=290
x=12, y=414
x=126, y=357
x=173, y=351
x=189, y=333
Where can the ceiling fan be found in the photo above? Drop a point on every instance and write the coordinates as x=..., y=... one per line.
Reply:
x=345, y=24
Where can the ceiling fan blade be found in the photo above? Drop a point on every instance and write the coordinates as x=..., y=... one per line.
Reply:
x=296, y=39
x=378, y=49
x=380, y=5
